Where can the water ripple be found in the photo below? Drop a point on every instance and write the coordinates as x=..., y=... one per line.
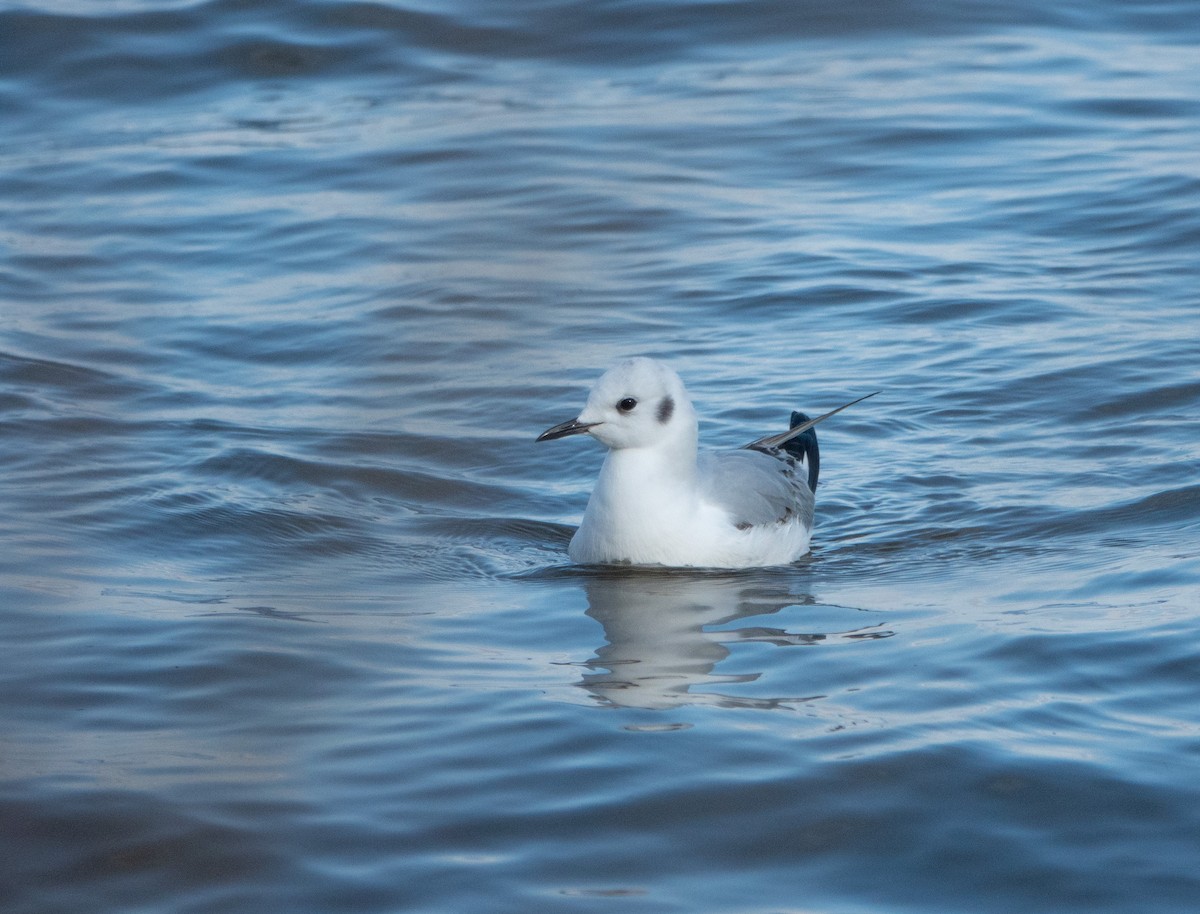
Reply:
x=287, y=293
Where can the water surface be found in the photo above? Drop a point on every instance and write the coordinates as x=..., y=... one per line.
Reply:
x=286, y=295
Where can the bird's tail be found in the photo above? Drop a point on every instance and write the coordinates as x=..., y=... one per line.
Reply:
x=804, y=447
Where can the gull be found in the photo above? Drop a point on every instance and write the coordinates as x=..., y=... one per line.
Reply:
x=658, y=501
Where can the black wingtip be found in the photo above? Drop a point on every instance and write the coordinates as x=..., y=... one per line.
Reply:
x=804, y=447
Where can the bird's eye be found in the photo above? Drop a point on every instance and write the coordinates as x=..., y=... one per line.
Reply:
x=627, y=404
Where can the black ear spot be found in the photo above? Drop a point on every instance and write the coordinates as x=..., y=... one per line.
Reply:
x=666, y=409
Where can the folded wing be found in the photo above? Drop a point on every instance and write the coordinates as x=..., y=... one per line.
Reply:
x=757, y=487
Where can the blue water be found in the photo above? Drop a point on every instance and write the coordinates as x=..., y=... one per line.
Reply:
x=288, y=290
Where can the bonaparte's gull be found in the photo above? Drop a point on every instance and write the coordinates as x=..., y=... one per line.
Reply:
x=659, y=503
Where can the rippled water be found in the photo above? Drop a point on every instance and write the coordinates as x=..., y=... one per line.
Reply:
x=286, y=293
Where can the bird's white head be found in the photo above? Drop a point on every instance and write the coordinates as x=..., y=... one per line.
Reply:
x=639, y=403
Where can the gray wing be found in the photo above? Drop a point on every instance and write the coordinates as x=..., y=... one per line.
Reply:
x=757, y=487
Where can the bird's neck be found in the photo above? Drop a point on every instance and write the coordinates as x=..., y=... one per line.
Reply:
x=649, y=486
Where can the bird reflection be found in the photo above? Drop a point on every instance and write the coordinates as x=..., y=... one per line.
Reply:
x=662, y=645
